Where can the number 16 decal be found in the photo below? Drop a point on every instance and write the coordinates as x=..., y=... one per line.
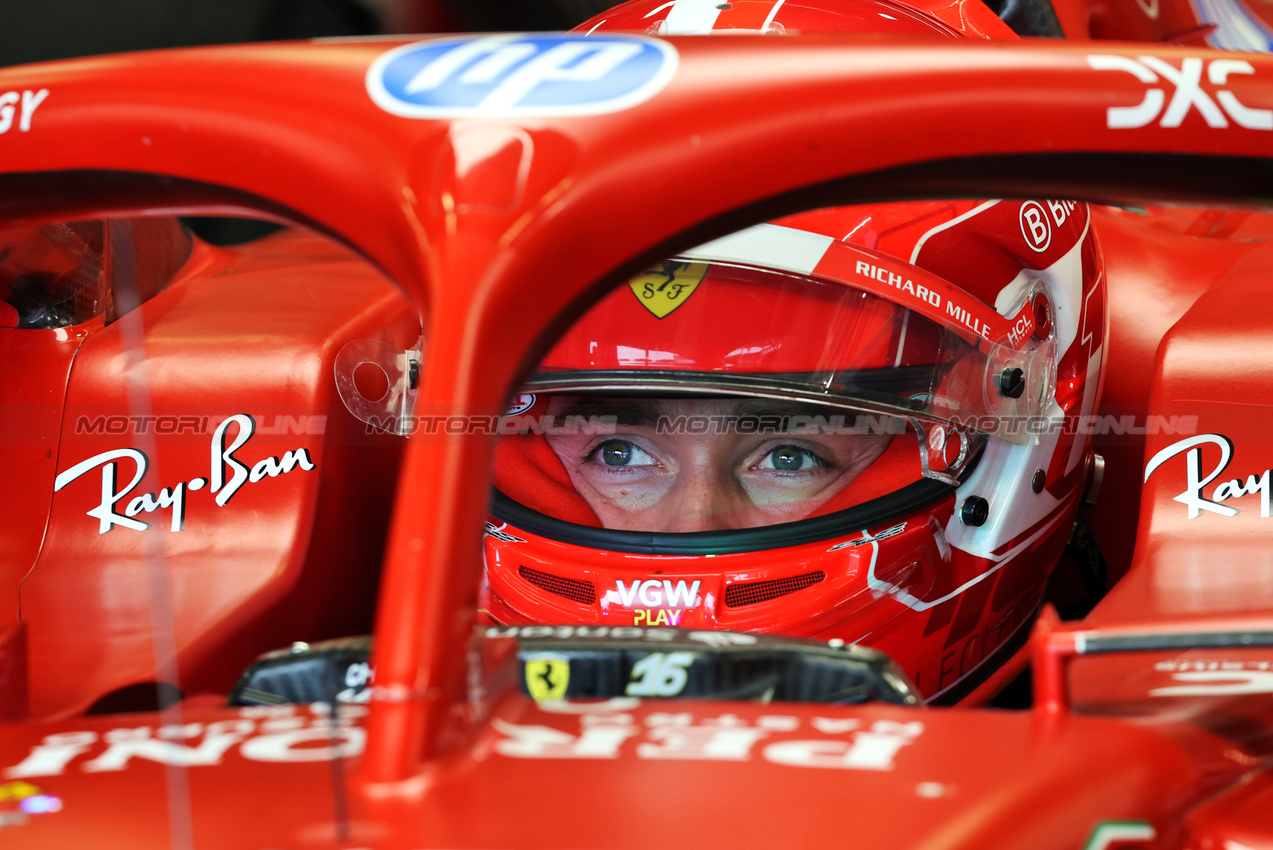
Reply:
x=660, y=674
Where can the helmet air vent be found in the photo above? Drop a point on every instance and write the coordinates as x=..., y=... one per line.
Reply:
x=742, y=593
x=583, y=592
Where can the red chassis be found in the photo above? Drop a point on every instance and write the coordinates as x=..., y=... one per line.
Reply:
x=1151, y=723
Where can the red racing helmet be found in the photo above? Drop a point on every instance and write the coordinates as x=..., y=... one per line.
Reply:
x=940, y=18
x=931, y=360
x=856, y=424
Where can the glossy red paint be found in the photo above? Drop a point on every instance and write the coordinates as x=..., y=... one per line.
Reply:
x=33, y=394
x=14, y=700
x=1162, y=270
x=225, y=336
x=302, y=140
x=501, y=792
x=1236, y=25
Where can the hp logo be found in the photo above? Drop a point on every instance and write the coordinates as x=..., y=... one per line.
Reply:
x=515, y=75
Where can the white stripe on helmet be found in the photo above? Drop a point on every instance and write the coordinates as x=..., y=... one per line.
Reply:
x=692, y=17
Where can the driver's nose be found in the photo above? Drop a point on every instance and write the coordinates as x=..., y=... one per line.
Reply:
x=703, y=501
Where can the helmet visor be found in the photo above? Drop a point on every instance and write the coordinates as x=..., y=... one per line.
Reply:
x=694, y=328
x=708, y=395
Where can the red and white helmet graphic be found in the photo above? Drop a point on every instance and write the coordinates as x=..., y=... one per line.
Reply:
x=943, y=18
x=858, y=423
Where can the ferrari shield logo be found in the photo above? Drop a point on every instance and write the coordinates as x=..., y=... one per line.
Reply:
x=661, y=290
x=547, y=676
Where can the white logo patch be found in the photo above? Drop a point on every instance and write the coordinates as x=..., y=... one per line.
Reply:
x=227, y=473
x=1035, y=227
x=507, y=75
x=1192, y=496
x=22, y=104
x=1187, y=92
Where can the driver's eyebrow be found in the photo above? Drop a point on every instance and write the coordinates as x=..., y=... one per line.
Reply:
x=628, y=411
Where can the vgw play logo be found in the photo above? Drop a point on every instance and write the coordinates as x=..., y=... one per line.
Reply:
x=516, y=75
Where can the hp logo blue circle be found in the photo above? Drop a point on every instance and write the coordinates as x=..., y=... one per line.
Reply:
x=512, y=75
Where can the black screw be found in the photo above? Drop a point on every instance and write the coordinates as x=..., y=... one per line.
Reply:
x=975, y=511
x=724, y=6
x=1040, y=478
x=1012, y=382
x=413, y=374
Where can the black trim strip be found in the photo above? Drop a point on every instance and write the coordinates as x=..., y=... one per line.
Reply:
x=730, y=541
x=852, y=386
x=1195, y=640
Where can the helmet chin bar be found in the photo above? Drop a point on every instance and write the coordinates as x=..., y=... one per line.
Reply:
x=392, y=412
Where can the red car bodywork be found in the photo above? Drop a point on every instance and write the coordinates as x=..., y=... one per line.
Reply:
x=1165, y=747
x=225, y=336
x=1233, y=25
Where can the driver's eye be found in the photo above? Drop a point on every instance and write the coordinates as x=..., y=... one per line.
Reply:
x=790, y=459
x=623, y=453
